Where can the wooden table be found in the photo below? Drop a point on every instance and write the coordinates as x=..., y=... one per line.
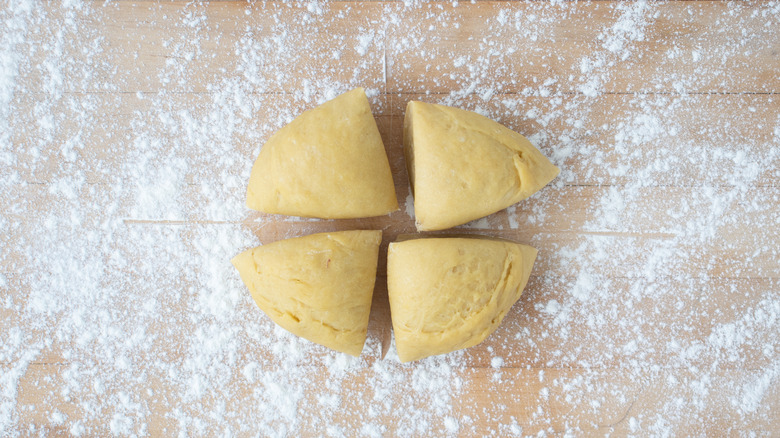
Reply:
x=127, y=134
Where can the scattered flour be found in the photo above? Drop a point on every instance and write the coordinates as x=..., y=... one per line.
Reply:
x=120, y=212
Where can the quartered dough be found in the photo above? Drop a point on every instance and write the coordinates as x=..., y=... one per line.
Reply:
x=318, y=287
x=328, y=163
x=463, y=166
x=451, y=293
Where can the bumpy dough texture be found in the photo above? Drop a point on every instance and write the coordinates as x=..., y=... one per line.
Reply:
x=463, y=166
x=318, y=287
x=451, y=293
x=329, y=163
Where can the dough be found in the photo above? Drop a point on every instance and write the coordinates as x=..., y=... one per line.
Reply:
x=328, y=163
x=318, y=287
x=451, y=293
x=463, y=166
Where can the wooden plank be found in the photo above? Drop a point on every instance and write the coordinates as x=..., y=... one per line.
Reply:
x=96, y=135
x=52, y=401
x=619, y=401
x=566, y=223
x=614, y=42
x=263, y=47
x=650, y=322
x=628, y=139
x=591, y=48
x=604, y=311
x=652, y=308
x=530, y=400
x=607, y=140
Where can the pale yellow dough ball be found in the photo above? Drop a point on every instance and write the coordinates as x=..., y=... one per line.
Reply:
x=318, y=287
x=451, y=293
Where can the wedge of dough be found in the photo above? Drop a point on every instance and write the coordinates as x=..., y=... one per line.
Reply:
x=451, y=293
x=463, y=166
x=318, y=287
x=328, y=163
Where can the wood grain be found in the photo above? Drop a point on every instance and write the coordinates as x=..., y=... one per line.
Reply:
x=722, y=121
x=679, y=72
x=661, y=59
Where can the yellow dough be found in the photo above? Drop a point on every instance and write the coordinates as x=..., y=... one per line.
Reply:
x=451, y=293
x=328, y=163
x=318, y=287
x=463, y=166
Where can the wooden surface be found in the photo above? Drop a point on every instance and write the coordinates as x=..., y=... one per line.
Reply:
x=129, y=129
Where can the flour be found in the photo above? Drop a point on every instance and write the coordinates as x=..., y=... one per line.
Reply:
x=120, y=212
x=409, y=205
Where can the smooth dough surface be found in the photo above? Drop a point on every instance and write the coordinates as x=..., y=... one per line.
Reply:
x=463, y=166
x=318, y=287
x=328, y=163
x=451, y=293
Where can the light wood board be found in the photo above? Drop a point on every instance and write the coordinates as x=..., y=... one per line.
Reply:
x=664, y=117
